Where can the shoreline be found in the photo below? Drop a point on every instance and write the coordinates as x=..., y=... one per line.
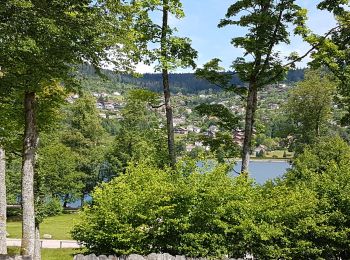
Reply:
x=272, y=160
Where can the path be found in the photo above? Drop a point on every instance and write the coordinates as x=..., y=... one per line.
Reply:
x=47, y=243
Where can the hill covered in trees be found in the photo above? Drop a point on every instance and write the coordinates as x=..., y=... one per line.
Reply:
x=186, y=83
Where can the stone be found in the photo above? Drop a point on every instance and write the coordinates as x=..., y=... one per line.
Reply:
x=135, y=257
x=167, y=256
x=152, y=256
x=103, y=257
x=47, y=236
x=79, y=257
x=26, y=257
x=180, y=257
x=91, y=257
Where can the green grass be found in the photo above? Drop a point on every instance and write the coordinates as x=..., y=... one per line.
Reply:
x=50, y=254
x=278, y=154
x=58, y=226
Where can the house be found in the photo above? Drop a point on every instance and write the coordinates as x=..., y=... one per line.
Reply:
x=109, y=106
x=181, y=131
x=274, y=106
x=190, y=147
x=192, y=128
x=238, y=137
x=260, y=148
x=213, y=129
x=102, y=115
x=179, y=120
x=99, y=105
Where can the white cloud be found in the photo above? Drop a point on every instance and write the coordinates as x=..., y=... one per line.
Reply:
x=143, y=68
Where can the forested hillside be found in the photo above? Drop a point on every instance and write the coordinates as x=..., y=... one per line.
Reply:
x=186, y=83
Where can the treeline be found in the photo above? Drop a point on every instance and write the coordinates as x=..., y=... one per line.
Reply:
x=186, y=83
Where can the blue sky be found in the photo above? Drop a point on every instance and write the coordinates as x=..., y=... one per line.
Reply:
x=200, y=25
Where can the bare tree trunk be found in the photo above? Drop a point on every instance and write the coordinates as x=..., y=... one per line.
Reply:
x=3, y=203
x=82, y=200
x=65, y=201
x=28, y=162
x=37, y=254
x=166, y=87
x=249, y=126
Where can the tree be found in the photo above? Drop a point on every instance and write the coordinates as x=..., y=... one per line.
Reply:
x=40, y=41
x=57, y=170
x=148, y=210
x=173, y=52
x=3, y=203
x=222, y=144
x=333, y=52
x=140, y=137
x=309, y=106
x=83, y=133
x=267, y=23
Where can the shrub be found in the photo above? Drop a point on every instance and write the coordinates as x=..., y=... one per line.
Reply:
x=151, y=210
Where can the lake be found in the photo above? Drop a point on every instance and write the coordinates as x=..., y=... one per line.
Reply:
x=261, y=171
x=264, y=170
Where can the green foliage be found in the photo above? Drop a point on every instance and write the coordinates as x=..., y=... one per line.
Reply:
x=304, y=215
x=170, y=51
x=322, y=173
x=140, y=137
x=222, y=143
x=83, y=133
x=57, y=168
x=267, y=25
x=152, y=210
x=51, y=207
x=309, y=107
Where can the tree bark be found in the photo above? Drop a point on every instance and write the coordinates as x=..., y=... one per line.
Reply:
x=65, y=201
x=166, y=86
x=3, y=203
x=249, y=126
x=37, y=249
x=28, y=163
x=82, y=200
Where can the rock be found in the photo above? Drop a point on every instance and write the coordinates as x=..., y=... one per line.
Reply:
x=167, y=256
x=135, y=257
x=103, y=257
x=79, y=257
x=152, y=256
x=26, y=257
x=91, y=257
x=47, y=236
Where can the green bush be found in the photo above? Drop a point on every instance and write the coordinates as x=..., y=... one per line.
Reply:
x=151, y=210
x=304, y=215
x=53, y=207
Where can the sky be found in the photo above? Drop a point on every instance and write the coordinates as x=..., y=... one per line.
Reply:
x=200, y=25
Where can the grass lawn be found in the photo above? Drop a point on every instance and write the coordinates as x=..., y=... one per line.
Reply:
x=50, y=254
x=277, y=154
x=58, y=226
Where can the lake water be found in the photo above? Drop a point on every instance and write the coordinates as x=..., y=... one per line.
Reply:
x=264, y=170
x=261, y=171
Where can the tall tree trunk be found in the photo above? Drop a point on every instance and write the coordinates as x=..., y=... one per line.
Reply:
x=37, y=249
x=28, y=162
x=65, y=201
x=82, y=200
x=249, y=126
x=166, y=87
x=3, y=203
